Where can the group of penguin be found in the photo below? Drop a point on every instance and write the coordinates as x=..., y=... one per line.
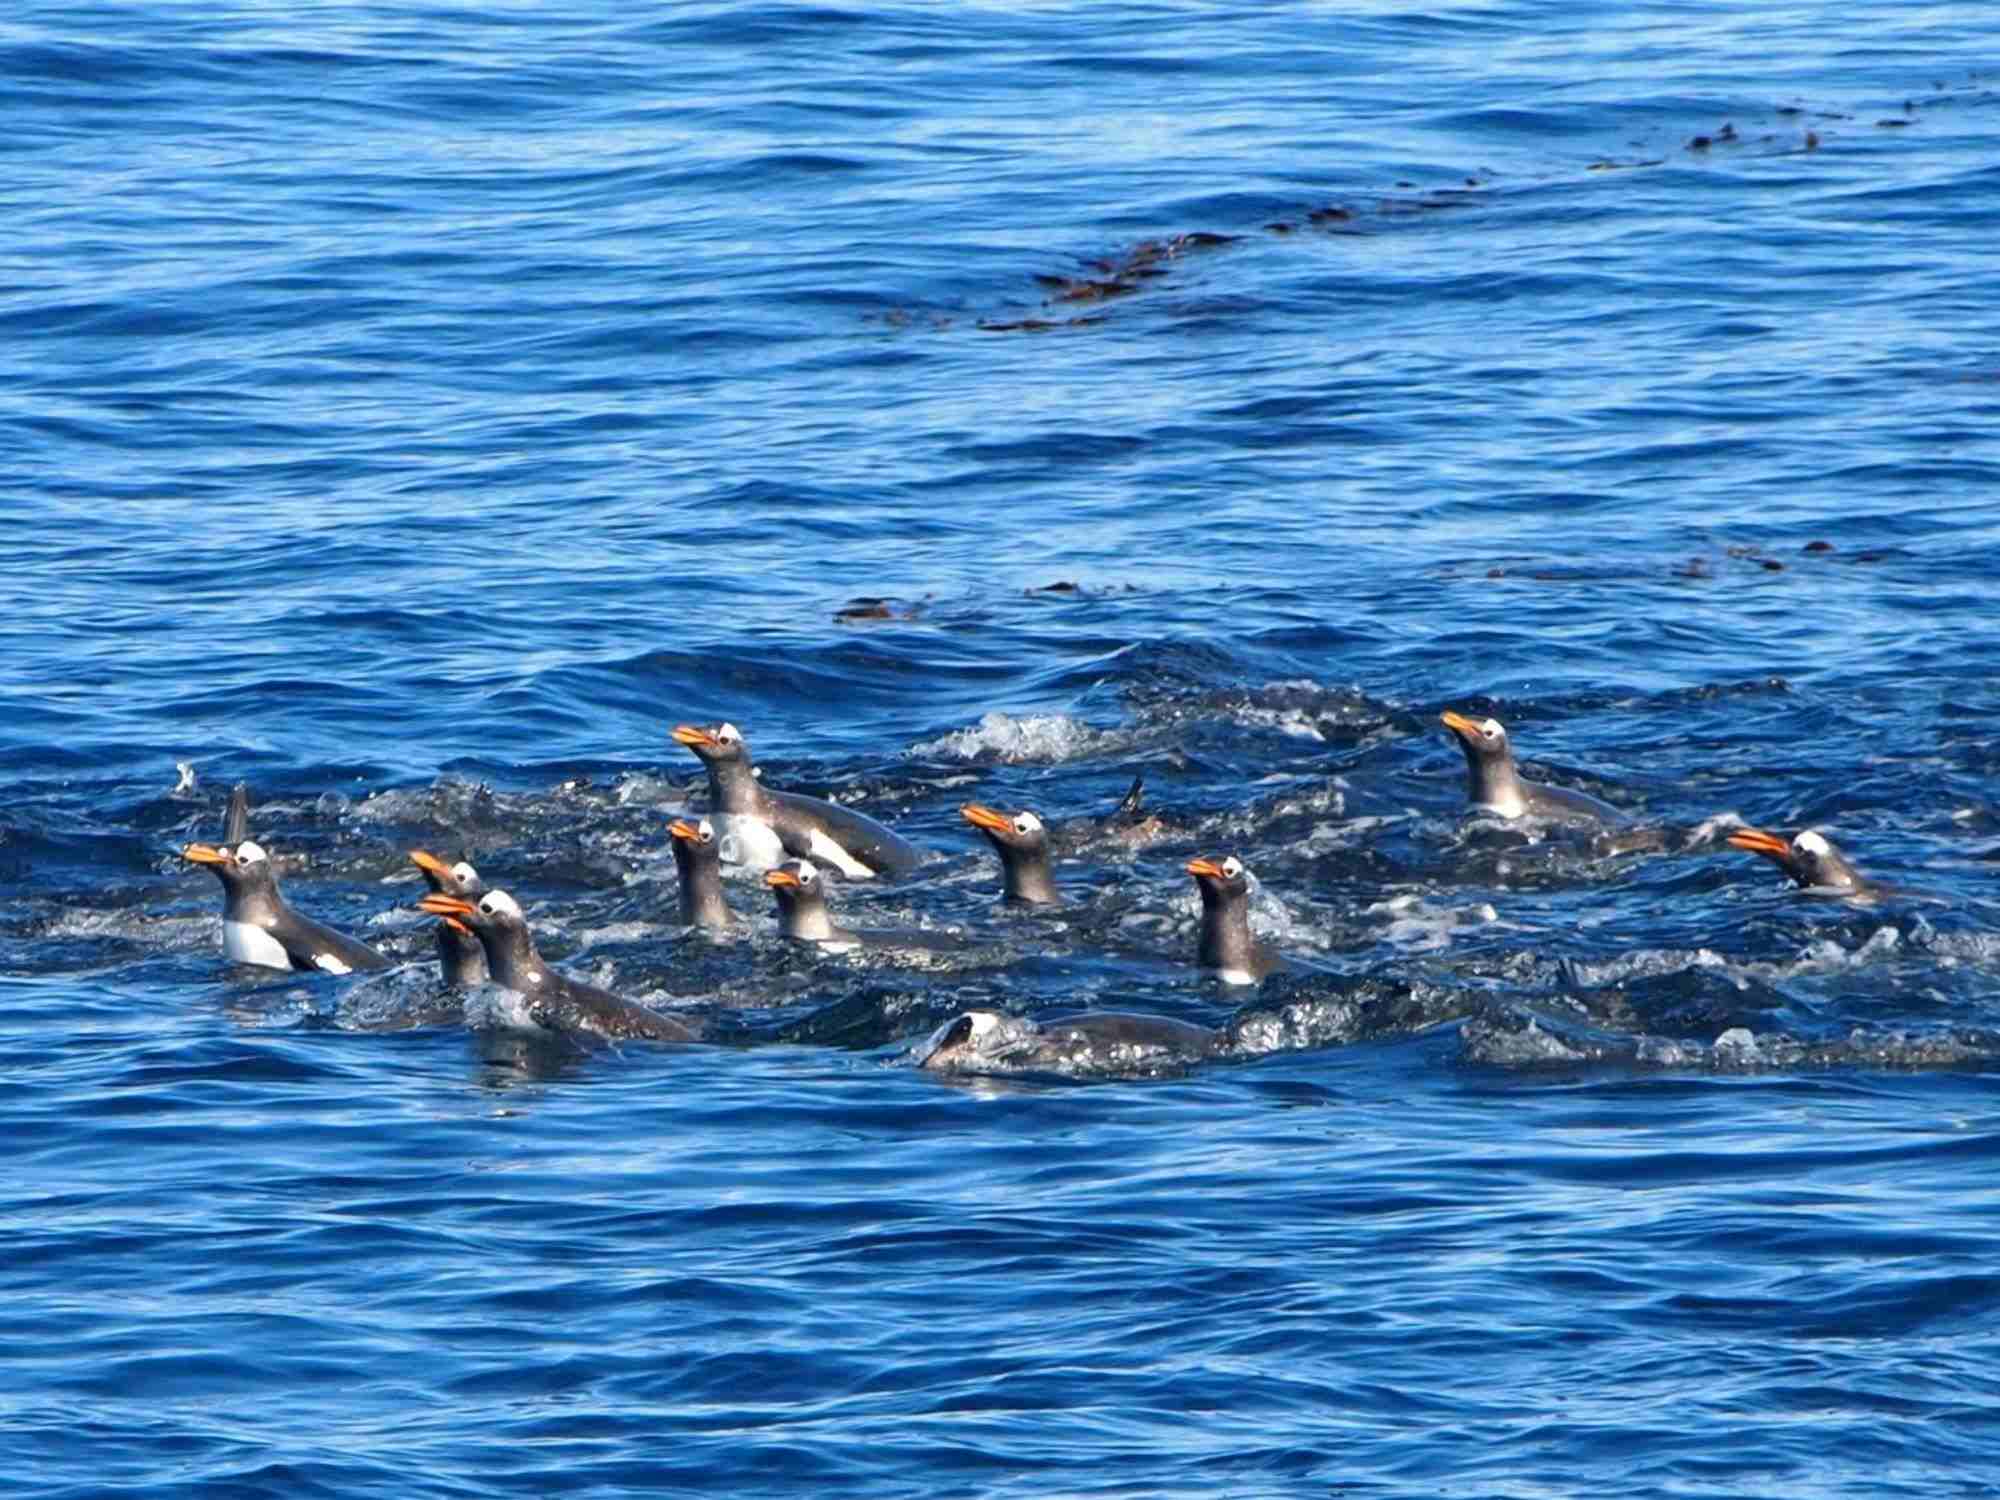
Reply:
x=483, y=936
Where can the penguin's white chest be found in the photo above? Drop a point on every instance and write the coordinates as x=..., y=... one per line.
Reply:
x=1235, y=976
x=247, y=943
x=748, y=841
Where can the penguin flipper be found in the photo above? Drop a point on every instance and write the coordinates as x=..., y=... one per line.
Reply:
x=236, y=823
x=1129, y=807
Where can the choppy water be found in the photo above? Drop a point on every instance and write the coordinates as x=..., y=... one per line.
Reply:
x=417, y=411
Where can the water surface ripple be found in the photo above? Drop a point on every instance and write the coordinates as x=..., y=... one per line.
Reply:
x=416, y=411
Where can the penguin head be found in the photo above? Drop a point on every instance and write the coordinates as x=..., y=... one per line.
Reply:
x=1809, y=857
x=1021, y=831
x=1220, y=878
x=975, y=1040
x=240, y=867
x=696, y=839
x=451, y=880
x=796, y=882
x=1483, y=740
x=714, y=744
x=493, y=912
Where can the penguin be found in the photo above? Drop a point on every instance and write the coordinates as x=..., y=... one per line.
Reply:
x=769, y=825
x=1227, y=946
x=1023, y=846
x=460, y=953
x=259, y=928
x=1811, y=860
x=985, y=1041
x=1493, y=785
x=697, y=855
x=549, y=1001
x=803, y=917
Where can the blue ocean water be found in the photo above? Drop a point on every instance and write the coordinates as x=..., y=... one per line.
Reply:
x=416, y=411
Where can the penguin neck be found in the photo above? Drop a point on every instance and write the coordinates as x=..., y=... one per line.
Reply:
x=701, y=891
x=513, y=962
x=462, y=958
x=1029, y=880
x=733, y=788
x=811, y=922
x=1225, y=932
x=1496, y=784
x=1831, y=873
x=259, y=905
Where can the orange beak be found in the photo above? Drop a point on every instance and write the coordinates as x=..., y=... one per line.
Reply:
x=446, y=906
x=205, y=854
x=680, y=828
x=425, y=860
x=1210, y=867
x=1756, y=841
x=689, y=735
x=776, y=878
x=1458, y=723
x=986, y=817
x=457, y=926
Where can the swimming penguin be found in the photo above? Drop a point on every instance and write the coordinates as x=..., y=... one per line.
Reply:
x=769, y=825
x=1023, y=846
x=697, y=855
x=1107, y=1042
x=1810, y=859
x=1227, y=945
x=1493, y=785
x=259, y=928
x=803, y=917
x=460, y=954
x=549, y=1001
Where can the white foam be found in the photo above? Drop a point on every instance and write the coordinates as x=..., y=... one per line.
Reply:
x=1003, y=738
x=1416, y=924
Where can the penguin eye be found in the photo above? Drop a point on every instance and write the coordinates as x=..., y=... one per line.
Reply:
x=1024, y=825
x=807, y=874
x=489, y=906
x=248, y=853
x=1809, y=843
x=705, y=830
x=1232, y=867
x=957, y=1034
x=729, y=735
x=464, y=874
x=1491, y=729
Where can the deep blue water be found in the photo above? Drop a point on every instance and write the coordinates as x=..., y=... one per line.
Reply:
x=416, y=411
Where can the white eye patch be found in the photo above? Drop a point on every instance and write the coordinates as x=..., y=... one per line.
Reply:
x=464, y=874
x=729, y=734
x=1491, y=729
x=705, y=831
x=1811, y=843
x=807, y=873
x=499, y=904
x=1027, y=823
x=1232, y=867
x=984, y=1023
x=249, y=853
